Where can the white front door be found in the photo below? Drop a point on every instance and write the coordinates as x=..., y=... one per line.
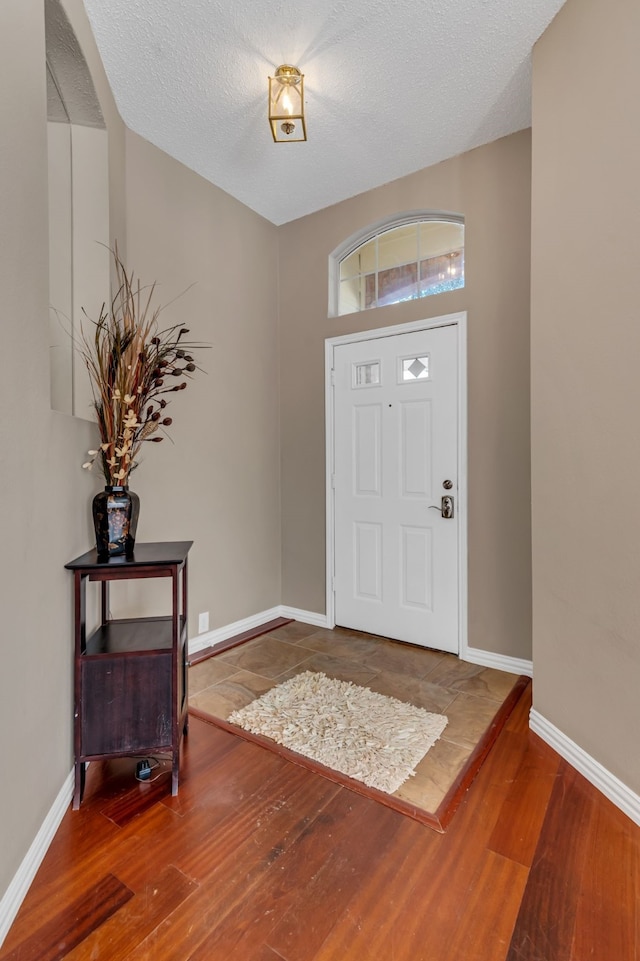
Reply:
x=395, y=459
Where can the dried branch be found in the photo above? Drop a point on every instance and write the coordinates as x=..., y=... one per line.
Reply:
x=129, y=361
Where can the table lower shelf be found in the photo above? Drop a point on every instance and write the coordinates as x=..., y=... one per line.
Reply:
x=134, y=634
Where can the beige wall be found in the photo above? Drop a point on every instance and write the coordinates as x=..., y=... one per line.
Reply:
x=585, y=384
x=225, y=460
x=490, y=186
x=46, y=497
x=223, y=464
x=218, y=484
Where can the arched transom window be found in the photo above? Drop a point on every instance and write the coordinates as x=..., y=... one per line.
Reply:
x=411, y=257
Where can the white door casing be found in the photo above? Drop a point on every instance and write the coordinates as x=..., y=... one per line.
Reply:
x=396, y=566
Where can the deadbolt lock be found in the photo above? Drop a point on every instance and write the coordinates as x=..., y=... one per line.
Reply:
x=448, y=484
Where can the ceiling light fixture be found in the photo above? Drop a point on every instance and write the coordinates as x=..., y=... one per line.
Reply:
x=286, y=105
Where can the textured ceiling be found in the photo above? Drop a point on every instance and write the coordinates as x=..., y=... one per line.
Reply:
x=391, y=86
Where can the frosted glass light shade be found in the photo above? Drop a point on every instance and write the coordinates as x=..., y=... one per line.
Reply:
x=286, y=105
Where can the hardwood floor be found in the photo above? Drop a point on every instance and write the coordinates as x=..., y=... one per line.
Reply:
x=258, y=859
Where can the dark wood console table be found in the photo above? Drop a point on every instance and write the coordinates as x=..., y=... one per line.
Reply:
x=130, y=674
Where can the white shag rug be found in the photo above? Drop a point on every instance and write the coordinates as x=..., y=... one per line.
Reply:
x=370, y=737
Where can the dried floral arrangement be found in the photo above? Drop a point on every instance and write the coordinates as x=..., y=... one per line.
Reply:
x=133, y=365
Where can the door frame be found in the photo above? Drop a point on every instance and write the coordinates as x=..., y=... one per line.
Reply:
x=458, y=320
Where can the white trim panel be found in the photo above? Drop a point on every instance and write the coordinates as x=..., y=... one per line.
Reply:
x=17, y=890
x=307, y=617
x=501, y=662
x=612, y=787
x=220, y=634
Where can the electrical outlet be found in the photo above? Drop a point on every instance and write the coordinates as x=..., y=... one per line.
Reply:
x=203, y=622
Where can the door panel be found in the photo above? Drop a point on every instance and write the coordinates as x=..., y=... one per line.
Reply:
x=396, y=442
x=416, y=443
x=367, y=574
x=367, y=449
x=417, y=567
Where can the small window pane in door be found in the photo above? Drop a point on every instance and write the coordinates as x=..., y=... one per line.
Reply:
x=415, y=368
x=367, y=374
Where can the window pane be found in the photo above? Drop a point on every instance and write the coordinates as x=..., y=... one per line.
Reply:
x=370, y=291
x=366, y=375
x=350, y=295
x=415, y=368
x=439, y=237
x=398, y=246
x=398, y=283
x=439, y=274
x=361, y=261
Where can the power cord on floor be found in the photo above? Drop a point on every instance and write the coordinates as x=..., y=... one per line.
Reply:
x=145, y=767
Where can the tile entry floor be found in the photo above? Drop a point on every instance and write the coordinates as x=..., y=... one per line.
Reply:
x=468, y=694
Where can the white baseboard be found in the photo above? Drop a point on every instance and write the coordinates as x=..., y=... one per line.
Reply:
x=501, y=662
x=212, y=638
x=17, y=890
x=307, y=617
x=612, y=787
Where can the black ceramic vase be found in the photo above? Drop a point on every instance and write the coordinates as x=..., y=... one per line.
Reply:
x=115, y=518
